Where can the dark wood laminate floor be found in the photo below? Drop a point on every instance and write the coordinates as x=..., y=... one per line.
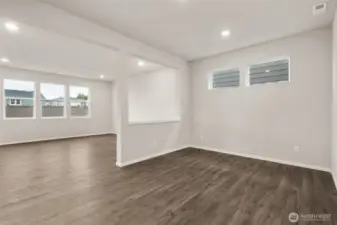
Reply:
x=76, y=182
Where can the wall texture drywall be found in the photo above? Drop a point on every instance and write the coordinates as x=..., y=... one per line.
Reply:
x=24, y=130
x=153, y=97
x=137, y=142
x=269, y=120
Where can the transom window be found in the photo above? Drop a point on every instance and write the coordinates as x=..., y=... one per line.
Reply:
x=226, y=78
x=274, y=71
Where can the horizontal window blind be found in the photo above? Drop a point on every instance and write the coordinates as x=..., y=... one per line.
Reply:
x=269, y=72
x=226, y=78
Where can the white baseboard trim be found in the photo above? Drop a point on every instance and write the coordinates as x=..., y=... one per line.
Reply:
x=54, y=138
x=120, y=164
x=134, y=161
x=314, y=167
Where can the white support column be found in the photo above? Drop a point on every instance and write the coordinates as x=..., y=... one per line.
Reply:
x=123, y=65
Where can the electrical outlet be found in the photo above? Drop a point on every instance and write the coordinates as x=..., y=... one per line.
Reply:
x=296, y=149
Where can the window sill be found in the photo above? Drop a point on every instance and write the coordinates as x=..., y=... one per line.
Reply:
x=18, y=118
x=131, y=123
x=80, y=117
x=52, y=118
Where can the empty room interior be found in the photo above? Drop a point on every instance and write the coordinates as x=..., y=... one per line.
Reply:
x=153, y=112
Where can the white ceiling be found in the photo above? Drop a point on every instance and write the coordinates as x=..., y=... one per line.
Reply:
x=191, y=28
x=35, y=49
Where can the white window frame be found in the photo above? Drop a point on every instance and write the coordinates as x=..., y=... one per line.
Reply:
x=88, y=101
x=269, y=61
x=64, y=102
x=4, y=100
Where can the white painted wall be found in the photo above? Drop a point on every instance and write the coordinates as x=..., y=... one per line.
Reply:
x=334, y=101
x=142, y=141
x=153, y=97
x=269, y=120
x=23, y=130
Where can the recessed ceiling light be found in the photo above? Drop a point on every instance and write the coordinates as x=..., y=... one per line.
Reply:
x=4, y=60
x=141, y=63
x=12, y=27
x=225, y=33
x=102, y=76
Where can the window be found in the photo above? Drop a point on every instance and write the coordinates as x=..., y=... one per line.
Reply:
x=79, y=101
x=14, y=102
x=269, y=72
x=19, y=99
x=226, y=78
x=52, y=100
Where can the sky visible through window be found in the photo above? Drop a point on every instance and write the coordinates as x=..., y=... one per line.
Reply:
x=18, y=85
x=76, y=91
x=52, y=91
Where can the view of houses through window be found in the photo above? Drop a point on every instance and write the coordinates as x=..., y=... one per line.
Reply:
x=52, y=100
x=79, y=101
x=19, y=99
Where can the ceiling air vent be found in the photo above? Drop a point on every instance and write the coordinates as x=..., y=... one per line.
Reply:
x=319, y=9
